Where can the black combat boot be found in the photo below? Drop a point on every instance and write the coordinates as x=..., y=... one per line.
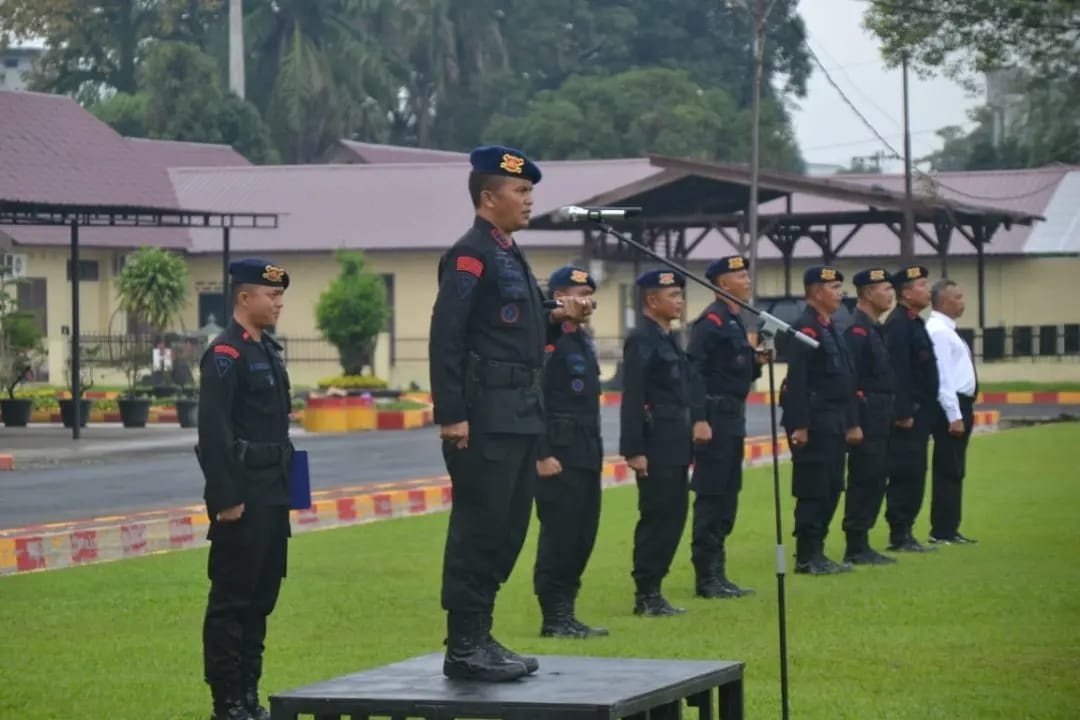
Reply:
x=558, y=618
x=472, y=654
x=859, y=552
x=706, y=582
x=901, y=540
x=729, y=588
x=251, y=702
x=811, y=560
x=531, y=664
x=228, y=705
x=648, y=602
x=588, y=630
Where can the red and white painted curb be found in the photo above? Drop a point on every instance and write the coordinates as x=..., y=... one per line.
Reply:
x=60, y=545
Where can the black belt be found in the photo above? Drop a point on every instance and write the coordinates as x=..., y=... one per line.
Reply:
x=495, y=374
x=590, y=423
x=258, y=455
x=669, y=412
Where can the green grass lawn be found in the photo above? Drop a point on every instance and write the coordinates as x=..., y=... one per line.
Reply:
x=979, y=632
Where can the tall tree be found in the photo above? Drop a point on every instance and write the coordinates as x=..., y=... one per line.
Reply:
x=642, y=111
x=96, y=45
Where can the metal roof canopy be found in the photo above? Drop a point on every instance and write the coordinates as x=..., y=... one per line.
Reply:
x=704, y=195
x=21, y=212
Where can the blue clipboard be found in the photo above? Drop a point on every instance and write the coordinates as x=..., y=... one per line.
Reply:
x=299, y=481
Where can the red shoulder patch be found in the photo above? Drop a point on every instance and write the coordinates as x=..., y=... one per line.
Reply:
x=859, y=330
x=470, y=265
x=808, y=331
x=549, y=348
x=716, y=319
x=227, y=350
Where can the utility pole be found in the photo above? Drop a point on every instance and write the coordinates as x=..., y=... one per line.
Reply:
x=907, y=238
x=755, y=144
x=236, y=47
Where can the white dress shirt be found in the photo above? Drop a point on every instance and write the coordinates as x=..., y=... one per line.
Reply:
x=956, y=368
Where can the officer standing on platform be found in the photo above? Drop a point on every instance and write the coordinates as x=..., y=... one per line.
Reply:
x=818, y=401
x=655, y=436
x=486, y=350
x=916, y=372
x=723, y=367
x=245, y=453
x=868, y=461
x=571, y=456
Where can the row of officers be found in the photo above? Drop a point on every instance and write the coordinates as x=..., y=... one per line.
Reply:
x=515, y=385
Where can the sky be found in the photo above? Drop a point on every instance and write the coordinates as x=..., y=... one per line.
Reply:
x=827, y=129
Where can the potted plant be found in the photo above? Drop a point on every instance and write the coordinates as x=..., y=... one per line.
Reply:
x=187, y=403
x=153, y=288
x=135, y=356
x=19, y=339
x=88, y=356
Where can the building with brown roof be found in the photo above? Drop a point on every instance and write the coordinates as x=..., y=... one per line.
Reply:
x=404, y=206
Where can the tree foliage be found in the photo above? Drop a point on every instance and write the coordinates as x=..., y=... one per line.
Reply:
x=353, y=311
x=153, y=287
x=431, y=73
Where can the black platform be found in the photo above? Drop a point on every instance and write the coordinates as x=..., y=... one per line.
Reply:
x=565, y=688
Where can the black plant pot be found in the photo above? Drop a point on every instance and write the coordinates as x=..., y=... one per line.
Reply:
x=187, y=412
x=67, y=408
x=134, y=412
x=16, y=412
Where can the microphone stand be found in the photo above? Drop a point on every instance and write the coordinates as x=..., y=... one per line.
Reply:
x=770, y=326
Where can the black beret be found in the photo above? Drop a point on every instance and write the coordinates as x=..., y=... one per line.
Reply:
x=507, y=161
x=254, y=271
x=651, y=279
x=908, y=273
x=821, y=274
x=570, y=276
x=871, y=276
x=732, y=263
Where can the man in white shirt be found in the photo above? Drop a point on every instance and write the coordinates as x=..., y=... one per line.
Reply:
x=957, y=388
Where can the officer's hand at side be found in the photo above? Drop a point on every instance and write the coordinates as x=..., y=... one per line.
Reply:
x=458, y=432
x=763, y=355
x=956, y=428
x=906, y=423
x=231, y=514
x=702, y=432
x=548, y=467
x=854, y=436
x=639, y=464
x=800, y=436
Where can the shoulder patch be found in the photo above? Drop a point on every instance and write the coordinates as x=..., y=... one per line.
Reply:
x=859, y=330
x=223, y=363
x=227, y=350
x=549, y=348
x=715, y=319
x=468, y=264
x=808, y=331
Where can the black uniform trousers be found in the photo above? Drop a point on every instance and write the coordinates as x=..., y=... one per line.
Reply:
x=906, y=485
x=493, y=481
x=949, y=465
x=248, y=559
x=568, y=506
x=817, y=480
x=663, y=500
x=868, y=466
x=717, y=482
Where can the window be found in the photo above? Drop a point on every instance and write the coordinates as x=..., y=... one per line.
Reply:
x=11, y=62
x=88, y=270
x=31, y=295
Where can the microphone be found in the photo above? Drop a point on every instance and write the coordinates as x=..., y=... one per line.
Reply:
x=573, y=213
x=552, y=304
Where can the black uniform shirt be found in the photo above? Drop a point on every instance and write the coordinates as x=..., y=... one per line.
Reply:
x=913, y=361
x=572, y=401
x=488, y=331
x=244, y=395
x=655, y=412
x=819, y=390
x=873, y=372
x=723, y=368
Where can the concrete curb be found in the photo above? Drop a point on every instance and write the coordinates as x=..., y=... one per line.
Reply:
x=40, y=548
